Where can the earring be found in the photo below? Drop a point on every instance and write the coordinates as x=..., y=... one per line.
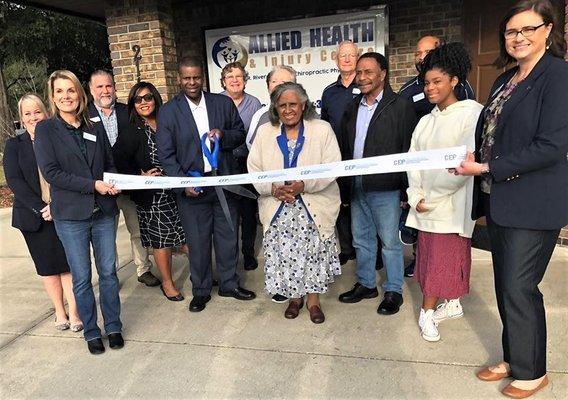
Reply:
x=548, y=43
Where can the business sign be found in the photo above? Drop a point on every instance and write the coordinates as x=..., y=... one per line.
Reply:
x=308, y=45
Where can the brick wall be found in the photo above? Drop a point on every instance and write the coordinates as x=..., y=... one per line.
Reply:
x=408, y=20
x=147, y=23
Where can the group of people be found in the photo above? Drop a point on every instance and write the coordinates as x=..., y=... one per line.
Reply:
x=517, y=151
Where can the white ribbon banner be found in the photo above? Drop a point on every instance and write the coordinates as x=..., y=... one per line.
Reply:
x=402, y=162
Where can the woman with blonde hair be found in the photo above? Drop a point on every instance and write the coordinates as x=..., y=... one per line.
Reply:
x=31, y=214
x=73, y=153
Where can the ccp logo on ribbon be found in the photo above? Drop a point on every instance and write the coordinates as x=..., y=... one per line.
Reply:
x=450, y=157
x=349, y=167
x=305, y=172
x=223, y=180
x=399, y=161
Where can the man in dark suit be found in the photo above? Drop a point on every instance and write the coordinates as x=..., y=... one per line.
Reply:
x=181, y=124
x=378, y=122
x=115, y=119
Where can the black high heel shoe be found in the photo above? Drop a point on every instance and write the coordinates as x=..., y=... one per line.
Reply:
x=178, y=297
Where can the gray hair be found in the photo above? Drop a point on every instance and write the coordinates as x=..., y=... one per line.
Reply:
x=345, y=43
x=309, y=109
x=100, y=72
x=291, y=70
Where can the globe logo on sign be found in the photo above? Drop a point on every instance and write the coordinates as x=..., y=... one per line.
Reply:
x=226, y=51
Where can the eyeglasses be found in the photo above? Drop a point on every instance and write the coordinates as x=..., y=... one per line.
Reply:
x=148, y=97
x=526, y=31
x=347, y=55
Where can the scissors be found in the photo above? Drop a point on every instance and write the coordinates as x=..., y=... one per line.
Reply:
x=213, y=158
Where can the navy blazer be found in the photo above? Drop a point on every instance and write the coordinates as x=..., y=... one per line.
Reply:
x=178, y=141
x=20, y=168
x=529, y=164
x=71, y=175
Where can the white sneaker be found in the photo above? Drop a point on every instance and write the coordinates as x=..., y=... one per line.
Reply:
x=429, y=329
x=421, y=319
x=448, y=310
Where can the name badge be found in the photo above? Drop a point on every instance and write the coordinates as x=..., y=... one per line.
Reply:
x=90, y=137
x=96, y=119
x=418, y=97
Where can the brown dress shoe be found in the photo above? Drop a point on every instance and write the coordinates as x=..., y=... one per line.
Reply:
x=316, y=314
x=489, y=376
x=293, y=308
x=516, y=393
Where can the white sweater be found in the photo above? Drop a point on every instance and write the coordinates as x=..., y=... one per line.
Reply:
x=448, y=197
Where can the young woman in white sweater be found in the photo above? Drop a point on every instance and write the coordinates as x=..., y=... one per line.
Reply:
x=440, y=203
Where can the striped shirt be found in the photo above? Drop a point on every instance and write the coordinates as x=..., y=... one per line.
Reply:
x=110, y=123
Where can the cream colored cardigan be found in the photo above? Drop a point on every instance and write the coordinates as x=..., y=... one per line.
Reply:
x=448, y=197
x=321, y=196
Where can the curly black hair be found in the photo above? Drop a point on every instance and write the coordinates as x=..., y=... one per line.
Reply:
x=451, y=58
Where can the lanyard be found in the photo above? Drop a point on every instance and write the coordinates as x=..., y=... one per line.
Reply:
x=283, y=145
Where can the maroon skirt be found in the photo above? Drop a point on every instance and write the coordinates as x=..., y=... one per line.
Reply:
x=443, y=264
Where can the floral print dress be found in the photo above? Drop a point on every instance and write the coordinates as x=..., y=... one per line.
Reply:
x=297, y=260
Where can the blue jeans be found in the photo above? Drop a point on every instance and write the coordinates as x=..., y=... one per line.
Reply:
x=76, y=237
x=372, y=213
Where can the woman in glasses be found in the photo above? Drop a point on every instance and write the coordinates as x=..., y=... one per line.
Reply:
x=521, y=183
x=160, y=226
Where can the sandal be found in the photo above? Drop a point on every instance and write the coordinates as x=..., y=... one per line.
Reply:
x=76, y=327
x=61, y=326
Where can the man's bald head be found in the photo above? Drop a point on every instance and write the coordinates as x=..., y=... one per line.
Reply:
x=424, y=46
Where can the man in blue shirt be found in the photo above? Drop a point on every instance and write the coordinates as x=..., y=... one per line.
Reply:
x=377, y=122
x=334, y=100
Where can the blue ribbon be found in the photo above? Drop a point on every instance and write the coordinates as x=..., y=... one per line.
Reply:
x=212, y=158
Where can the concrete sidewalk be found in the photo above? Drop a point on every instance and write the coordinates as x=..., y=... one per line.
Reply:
x=249, y=350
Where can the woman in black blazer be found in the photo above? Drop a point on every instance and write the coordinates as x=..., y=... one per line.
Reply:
x=521, y=183
x=31, y=214
x=135, y=150
x=73, y=153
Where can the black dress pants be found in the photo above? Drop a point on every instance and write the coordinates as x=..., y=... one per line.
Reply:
x=205, y=224
x=343, y=225
x=248, y=209
x=520, y=258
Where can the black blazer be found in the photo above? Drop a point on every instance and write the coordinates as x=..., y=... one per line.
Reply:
x=389, y=132
x=178, y=141
x=529, y=163
x=72, y=175
x=123, y=122
x=131, y=155
x=122, y=117
x=20, y=168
